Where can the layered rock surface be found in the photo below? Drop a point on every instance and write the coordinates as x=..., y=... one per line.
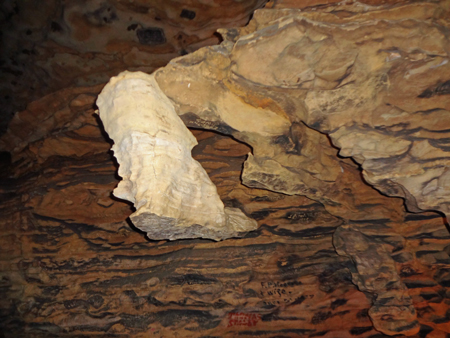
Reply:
x=53, y=44
x=344, y=261
x=356, y=80
x=71, y=265
x=381, y=98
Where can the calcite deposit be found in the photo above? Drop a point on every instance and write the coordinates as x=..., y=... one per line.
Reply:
x=172, y=193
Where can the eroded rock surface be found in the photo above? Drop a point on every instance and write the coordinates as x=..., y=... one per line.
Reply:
x=345, y=261
x=53, y=44
x=392, y=310
x=381, y=99
x=71, y=266
x=172, y=193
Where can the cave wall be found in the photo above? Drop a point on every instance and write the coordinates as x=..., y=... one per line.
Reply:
x=350, y=262
x=53, y=44
x=73, y=265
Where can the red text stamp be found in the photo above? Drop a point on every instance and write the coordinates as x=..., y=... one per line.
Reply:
x=241, y=318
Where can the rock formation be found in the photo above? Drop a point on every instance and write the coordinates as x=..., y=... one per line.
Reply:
x=380, y=98
x=54, y=44
x=172, y=193
x=343, y=108
x=357, y=81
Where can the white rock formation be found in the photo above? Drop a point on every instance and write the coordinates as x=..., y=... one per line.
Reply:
x=173, y=195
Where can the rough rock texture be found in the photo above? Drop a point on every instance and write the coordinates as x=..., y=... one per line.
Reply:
x=382, y=99
x=377, y=274
x=52, y=44
x=172, y=193
x=71, y=265
x=342, y=261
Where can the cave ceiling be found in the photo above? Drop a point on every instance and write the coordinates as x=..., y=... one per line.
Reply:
x=225, y=169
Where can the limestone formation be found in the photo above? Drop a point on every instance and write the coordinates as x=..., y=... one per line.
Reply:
x=54, y=44
x=72, y=266
x=172, y=193
x=353, y=87
x=382, y=100
x=313, y=108
x=392, y=311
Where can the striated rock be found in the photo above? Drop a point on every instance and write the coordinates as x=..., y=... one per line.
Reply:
x=324, y=82
x=392, y=311
x=71, y=265
x=287, y=158
x=345, y=261
x=56, y=44
x=380, y=98
x=172, y=193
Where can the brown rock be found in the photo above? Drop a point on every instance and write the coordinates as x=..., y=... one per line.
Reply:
x=72, y=265
x=341, y=80
x=361, y=84
x=52, y=45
